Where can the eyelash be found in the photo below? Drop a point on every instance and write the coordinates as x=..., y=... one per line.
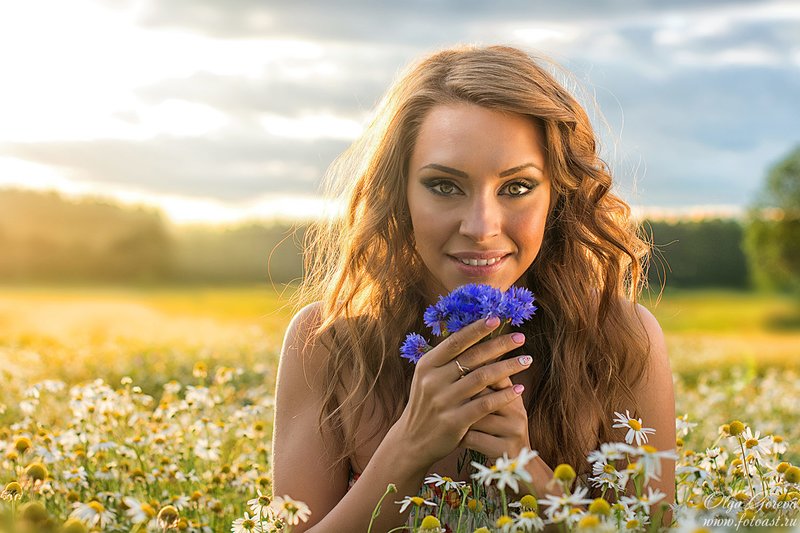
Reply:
x=435, y=183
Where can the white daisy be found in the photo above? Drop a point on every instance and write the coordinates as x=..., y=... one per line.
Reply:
x=448, y=483
x=608, y=452
x=416, y=500
x=509, y=471
x=76, y=475
x=634, y=426
x=260, y=505
x=527, y=521
x=755, y=446
x=93, y=514
x=606, y=476
x=208, y=450
x=137, y=511
x=289, y=510
x=506, y=471
x=683, y=426
x=779, y=445
x=650, y=459
x=644, y=501
x=560, y=507
x=247, y=524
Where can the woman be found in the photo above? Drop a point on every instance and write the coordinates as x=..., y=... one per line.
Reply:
x=478, y=168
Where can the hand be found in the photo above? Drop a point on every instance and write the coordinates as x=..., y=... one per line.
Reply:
x=504, y=430
x=442, y=405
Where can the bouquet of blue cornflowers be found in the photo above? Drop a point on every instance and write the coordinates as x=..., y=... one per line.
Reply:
x=465, y=305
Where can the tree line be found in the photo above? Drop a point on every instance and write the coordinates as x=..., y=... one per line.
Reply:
x=46, y=237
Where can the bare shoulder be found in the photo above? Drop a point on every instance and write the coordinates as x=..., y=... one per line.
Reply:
x=658, y=359
x=303, y=463
x=302, y=351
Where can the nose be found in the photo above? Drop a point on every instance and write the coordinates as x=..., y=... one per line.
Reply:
x=481, y=219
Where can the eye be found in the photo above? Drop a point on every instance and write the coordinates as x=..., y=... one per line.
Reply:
x=519, y=188
x=442, y=187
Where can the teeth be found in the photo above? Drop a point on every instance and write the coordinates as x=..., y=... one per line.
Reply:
x=480, y=262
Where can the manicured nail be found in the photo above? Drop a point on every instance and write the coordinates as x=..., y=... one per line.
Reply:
x=492, y=321
x=518, y=337
x=525, y=360
x=518, y=388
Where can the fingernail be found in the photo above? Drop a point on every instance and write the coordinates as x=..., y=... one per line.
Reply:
x=492, y=321
x=525, y=360
x=518, y=337
x=518, y=388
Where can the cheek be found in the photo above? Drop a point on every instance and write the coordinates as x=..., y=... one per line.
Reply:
x=528, y=232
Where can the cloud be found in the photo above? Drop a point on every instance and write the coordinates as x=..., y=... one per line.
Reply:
x=231, y=169
x=346, y=93
x=237, y=99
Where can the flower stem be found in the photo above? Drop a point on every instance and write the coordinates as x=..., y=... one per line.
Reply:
x=375, y=512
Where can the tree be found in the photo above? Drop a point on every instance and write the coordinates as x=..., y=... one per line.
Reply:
x=772, y=236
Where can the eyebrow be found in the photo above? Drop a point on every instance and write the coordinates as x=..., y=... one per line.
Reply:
x=463, y=174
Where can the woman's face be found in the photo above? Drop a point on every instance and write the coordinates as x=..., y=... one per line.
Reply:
x=478, y=193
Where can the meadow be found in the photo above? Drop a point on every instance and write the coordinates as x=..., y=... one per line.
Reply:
x=143, y=402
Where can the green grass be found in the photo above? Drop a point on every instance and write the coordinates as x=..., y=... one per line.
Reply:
x=718, y=311
x=707, y=329
x=80, y=332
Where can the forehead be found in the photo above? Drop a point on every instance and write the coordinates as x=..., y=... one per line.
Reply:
x=472, y=135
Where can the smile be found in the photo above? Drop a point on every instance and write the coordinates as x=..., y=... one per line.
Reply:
x=479, y=267
x=480, y=262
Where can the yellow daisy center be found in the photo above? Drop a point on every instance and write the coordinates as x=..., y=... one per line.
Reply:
x=503, y=520
x=792, y=474
x=736, y=427
x=589, y=521
x=634, y=424
x=430, y=522
x=600, y=506
x=528, y=501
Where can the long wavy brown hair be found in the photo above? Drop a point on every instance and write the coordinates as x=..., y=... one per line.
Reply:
x=588, y=343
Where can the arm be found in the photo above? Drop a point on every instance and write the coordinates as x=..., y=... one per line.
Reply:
x=656, y=396
x=300, y=461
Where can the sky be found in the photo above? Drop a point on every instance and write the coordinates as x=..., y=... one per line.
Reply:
x=221, y=111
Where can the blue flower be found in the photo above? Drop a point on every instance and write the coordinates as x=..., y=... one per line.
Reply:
x=471, y=302
x=465, y=305
x=517, y=305
x=414, y=347
x=435, y=317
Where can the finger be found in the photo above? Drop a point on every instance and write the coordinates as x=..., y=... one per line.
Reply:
x=489, y=445
x=492, y=424
x=491, y=350
x=459, y=341
x=502, y=384
x=477, y=408
x=480, y=378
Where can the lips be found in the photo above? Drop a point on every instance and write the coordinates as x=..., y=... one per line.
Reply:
x=479, y=267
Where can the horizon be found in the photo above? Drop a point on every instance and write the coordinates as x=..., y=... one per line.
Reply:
x=313, y=208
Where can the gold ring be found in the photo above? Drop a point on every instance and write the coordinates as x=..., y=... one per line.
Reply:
x=463, y=369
